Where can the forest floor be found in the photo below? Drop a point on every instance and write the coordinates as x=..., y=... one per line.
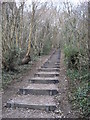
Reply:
x=64, y=109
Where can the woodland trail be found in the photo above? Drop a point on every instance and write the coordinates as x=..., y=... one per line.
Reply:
x=44, y=95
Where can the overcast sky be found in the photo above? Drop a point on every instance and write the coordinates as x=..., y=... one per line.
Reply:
x=54, y=1
x=75, y=2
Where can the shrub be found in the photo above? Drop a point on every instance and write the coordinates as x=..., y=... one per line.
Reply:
x=47, y=47
x=80, y=90
x=9, y=59
x=72, y=56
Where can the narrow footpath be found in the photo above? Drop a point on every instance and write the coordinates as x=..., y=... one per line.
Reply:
x=44, y=95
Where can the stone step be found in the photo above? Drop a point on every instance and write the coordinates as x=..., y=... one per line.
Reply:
x=47, y=74
x=44, y=80
x=39, y=89
x=58, y=61
x=48, y=69
x=33, y=102
x=57, y=64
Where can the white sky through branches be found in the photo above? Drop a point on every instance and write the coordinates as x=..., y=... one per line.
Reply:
x=54, y=1
x=75, y=2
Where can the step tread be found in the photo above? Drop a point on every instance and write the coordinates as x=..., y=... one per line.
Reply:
x=48, y=68
x=33, y=100
x=41, y=87
x=50, y=73
x=57, y=63
x=44, y=78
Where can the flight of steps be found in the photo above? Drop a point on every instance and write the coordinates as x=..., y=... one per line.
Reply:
x=39, y=94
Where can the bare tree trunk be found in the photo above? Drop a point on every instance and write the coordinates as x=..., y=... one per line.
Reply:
x=26, y=59
x=89, y=32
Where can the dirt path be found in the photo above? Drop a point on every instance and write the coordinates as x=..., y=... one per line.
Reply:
x=63, y=107
x=12, y=91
